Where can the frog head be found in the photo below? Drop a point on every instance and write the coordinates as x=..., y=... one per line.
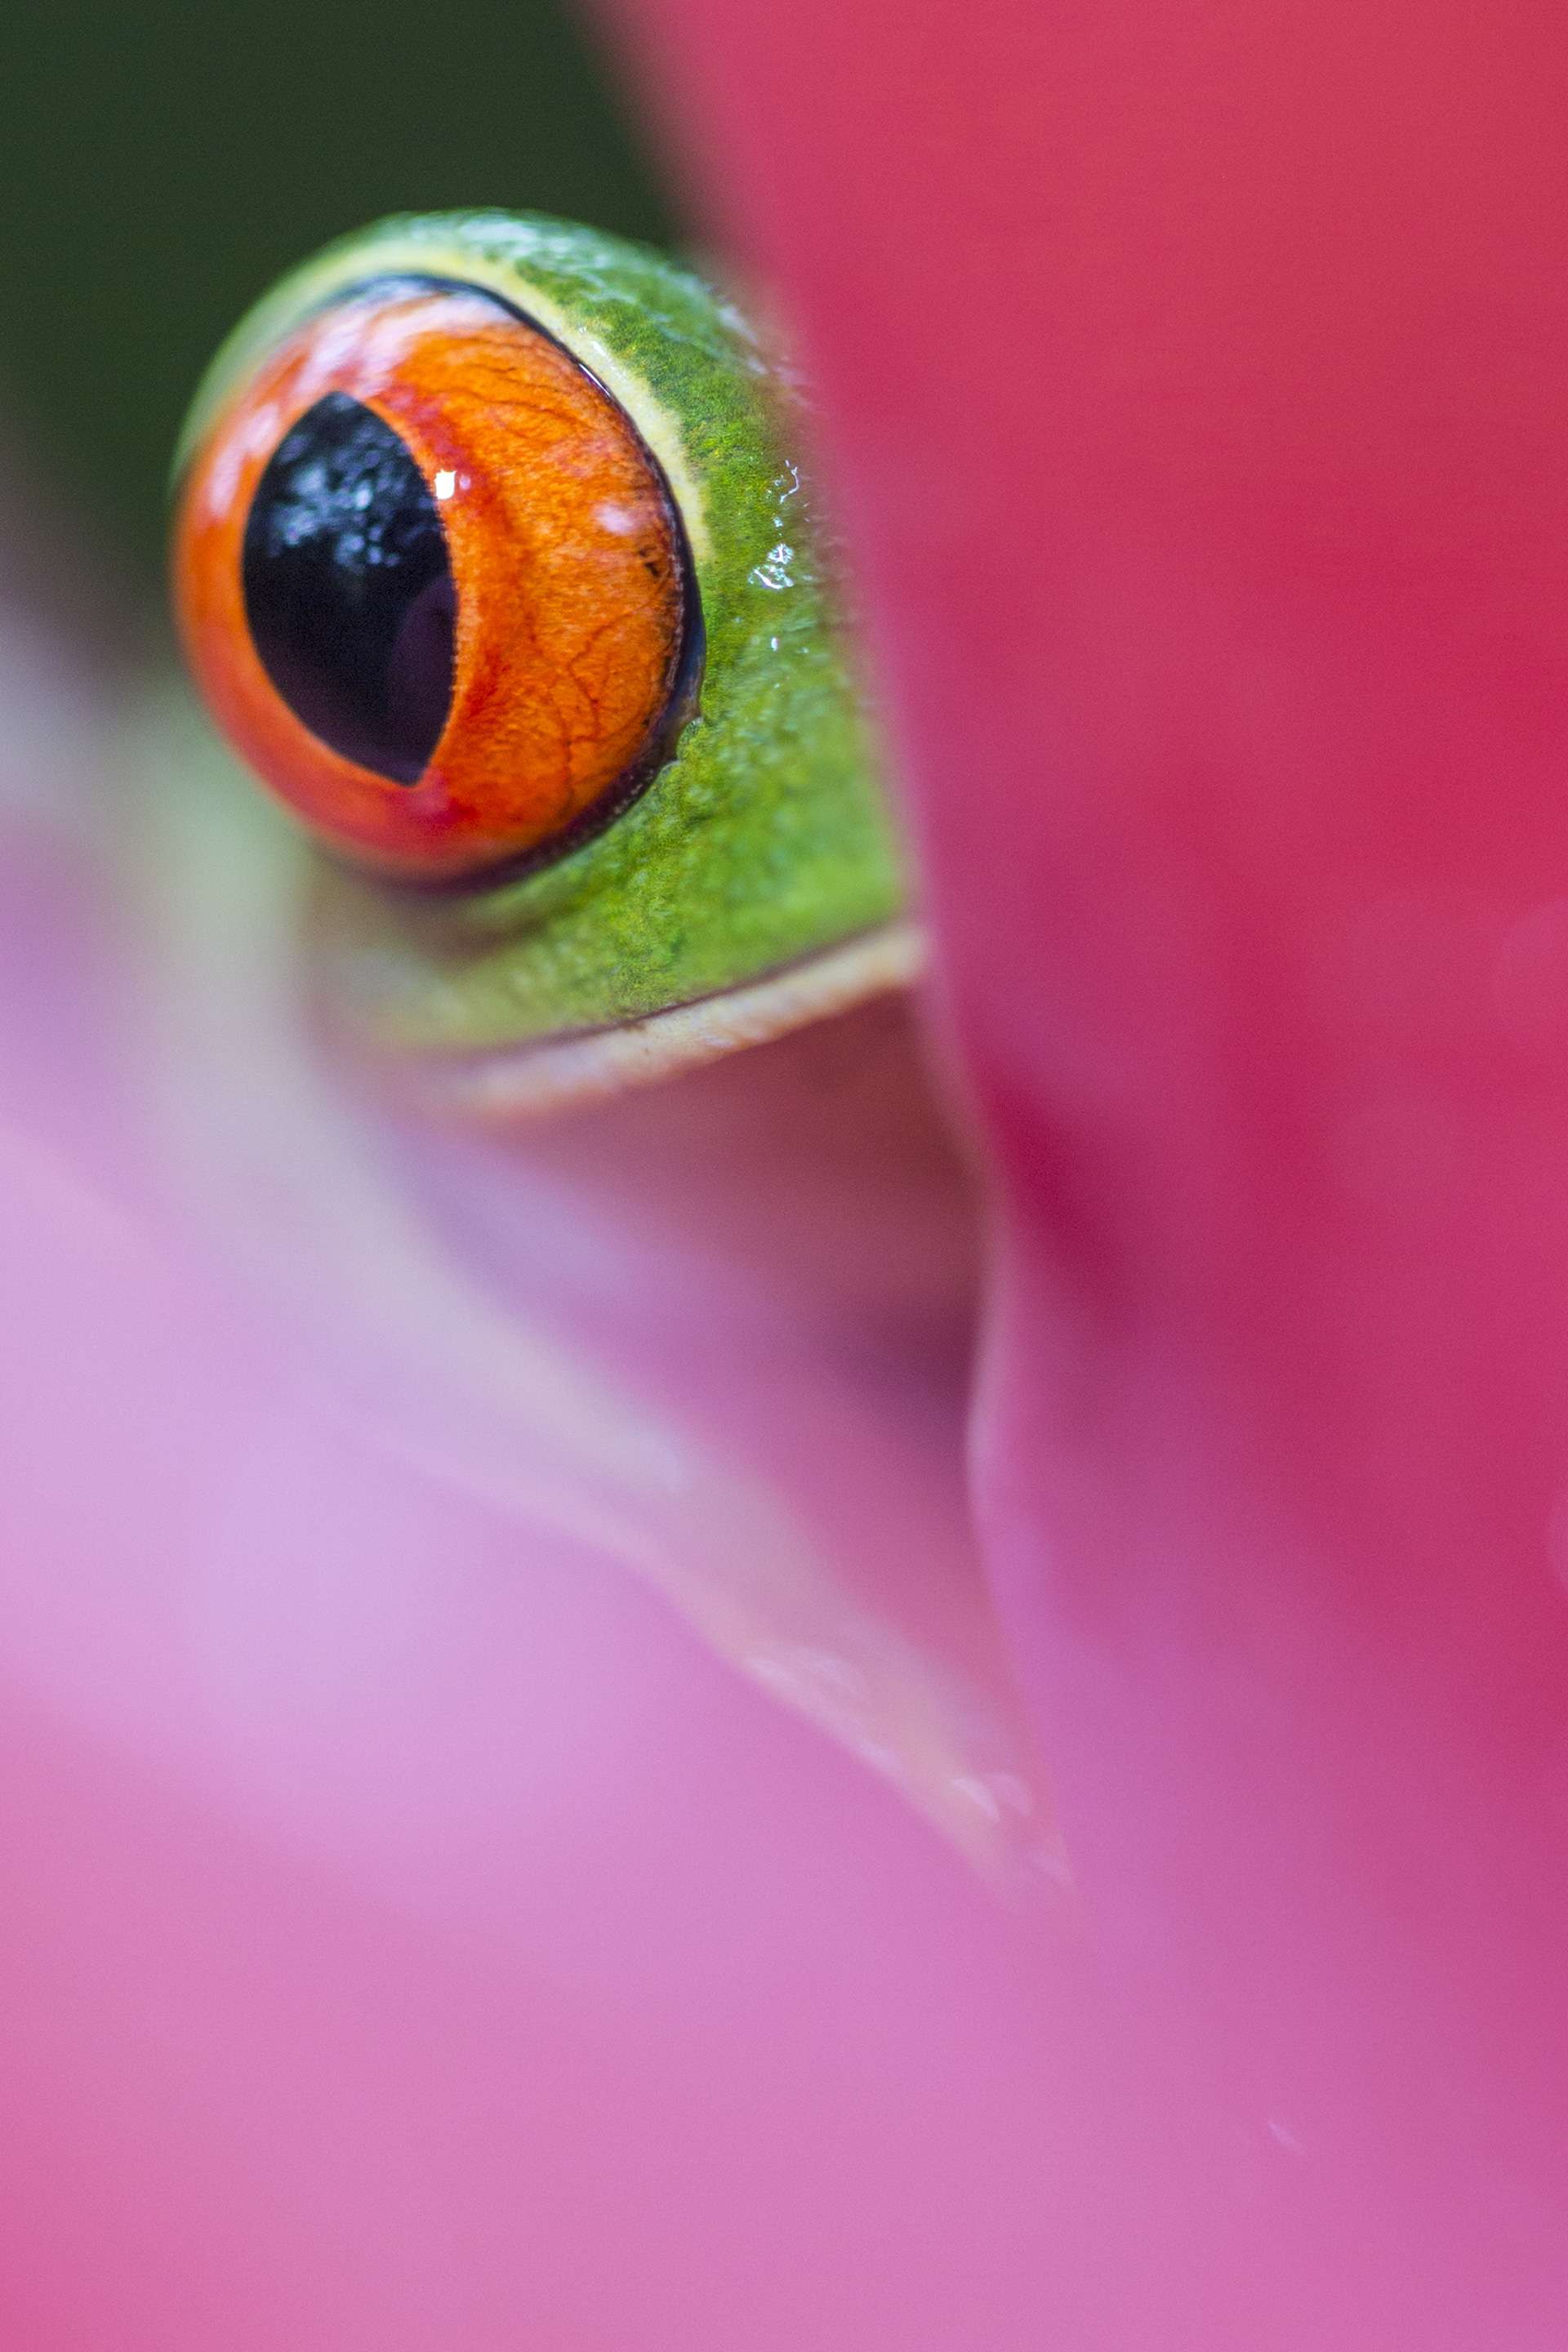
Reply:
x=499, y=561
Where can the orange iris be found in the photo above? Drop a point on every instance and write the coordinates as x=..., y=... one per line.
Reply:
x=432, y=585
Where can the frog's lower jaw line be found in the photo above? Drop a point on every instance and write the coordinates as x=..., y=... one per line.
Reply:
x=552, y=1074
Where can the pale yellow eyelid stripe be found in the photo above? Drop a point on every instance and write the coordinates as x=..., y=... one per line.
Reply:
x=653, y=421
x=524, y=1082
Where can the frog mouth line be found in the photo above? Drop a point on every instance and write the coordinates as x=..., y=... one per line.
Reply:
x=508, y=1082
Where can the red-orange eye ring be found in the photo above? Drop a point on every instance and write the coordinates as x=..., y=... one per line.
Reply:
x=432, y=585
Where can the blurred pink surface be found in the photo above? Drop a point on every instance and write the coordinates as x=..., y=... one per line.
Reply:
x=1195, y=383
x=410, y=1936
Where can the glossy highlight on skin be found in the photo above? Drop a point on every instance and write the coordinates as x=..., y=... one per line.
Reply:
x=566, y=559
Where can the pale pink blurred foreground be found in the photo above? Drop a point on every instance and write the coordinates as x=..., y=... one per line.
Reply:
x=411, y=1934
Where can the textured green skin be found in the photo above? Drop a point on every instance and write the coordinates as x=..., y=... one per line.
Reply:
x=763, y=839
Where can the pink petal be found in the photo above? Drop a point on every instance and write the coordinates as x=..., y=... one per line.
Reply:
x=1195, y=380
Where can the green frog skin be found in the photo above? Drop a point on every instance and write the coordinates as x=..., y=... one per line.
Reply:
x=755, y=883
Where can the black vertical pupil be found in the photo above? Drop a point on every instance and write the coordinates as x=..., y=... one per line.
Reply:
x=348, y=588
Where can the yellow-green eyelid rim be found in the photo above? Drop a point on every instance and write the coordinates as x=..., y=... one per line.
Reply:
x=764, y=844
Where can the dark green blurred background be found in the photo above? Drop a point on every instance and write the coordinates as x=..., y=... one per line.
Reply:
x=160, y=164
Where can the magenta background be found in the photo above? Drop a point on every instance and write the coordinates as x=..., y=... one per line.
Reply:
x=1195, y=380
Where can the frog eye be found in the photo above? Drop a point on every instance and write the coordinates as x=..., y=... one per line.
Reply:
x=433, y=586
